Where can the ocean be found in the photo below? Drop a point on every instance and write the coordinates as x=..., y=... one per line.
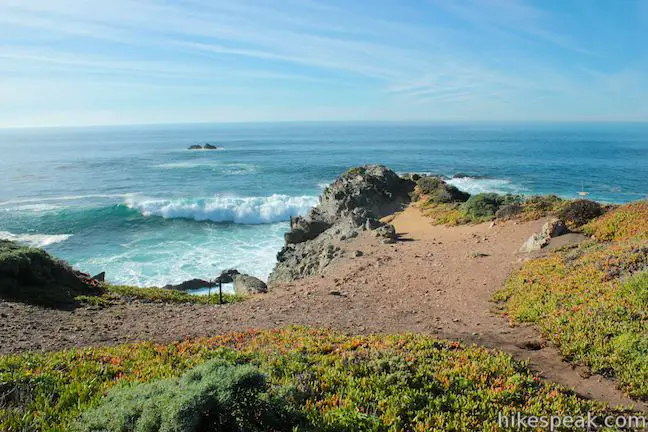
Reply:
x=134, y=202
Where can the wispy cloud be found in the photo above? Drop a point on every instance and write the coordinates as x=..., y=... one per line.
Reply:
x=380, y=57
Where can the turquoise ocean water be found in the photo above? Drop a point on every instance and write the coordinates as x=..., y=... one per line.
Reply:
x=134, y=202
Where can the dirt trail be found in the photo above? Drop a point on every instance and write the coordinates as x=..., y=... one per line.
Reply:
x=435, y=280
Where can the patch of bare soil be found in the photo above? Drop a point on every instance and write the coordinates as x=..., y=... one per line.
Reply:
x=435, y=280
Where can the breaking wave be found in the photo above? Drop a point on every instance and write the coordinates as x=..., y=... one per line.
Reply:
x=475, y=185
x=37, y=240
x=248, y=210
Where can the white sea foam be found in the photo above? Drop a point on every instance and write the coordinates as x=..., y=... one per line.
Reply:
x=37, y=240
x=323, y=185
x=37, y=208
x=474, y=185
x=249, y=210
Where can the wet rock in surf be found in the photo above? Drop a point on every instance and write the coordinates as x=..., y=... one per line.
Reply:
x=227, y=276
x=189, y=285
x=195, y=147
x=354, y=202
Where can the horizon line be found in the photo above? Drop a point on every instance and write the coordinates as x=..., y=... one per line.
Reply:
x=304, y=122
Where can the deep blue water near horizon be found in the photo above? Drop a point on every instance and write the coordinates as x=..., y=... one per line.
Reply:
x=134, y=202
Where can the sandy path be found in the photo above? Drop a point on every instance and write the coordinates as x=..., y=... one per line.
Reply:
x=435, y=280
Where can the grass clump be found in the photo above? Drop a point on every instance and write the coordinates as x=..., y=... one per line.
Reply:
x=625, y=222
x=216, y=396
x=161, y=295
x=336, y=382
x=592, y=300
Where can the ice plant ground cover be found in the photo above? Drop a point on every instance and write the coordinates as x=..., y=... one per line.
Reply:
x=592, y=300
x=360, y=383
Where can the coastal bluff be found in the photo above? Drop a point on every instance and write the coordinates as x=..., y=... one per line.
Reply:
x=355, y=202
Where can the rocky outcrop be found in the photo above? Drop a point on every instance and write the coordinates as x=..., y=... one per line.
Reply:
x=205, y=147
x=534, y=243
x=189, y=285
x=31, y=275
x=248, y=285
x=227, y=276
x=554, y=228
x=551, y=229
x=355, y=202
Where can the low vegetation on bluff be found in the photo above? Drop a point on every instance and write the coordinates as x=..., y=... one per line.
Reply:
x=31, y=275
x=591, y=300
x=444, y=204
x=329, y=382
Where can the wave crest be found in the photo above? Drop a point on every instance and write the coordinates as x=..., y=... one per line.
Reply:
x=36, y=240
x=248, y=210
x=474, y=185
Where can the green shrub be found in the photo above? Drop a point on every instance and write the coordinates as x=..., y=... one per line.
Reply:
x=216, y=396
x=483, y=206
x=577, y=213
x=438, y=191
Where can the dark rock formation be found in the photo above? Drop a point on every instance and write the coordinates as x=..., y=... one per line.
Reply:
x=353, y=203
x=189, y=285
x=101, y=277
x=246, y=285
x=461, y=175
x=227, y=276
x=210, y=147
x=31, y=275
x=195, y=147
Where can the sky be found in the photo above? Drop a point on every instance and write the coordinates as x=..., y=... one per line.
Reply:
x=78, y=62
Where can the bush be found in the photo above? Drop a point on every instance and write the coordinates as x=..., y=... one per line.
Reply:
x=215, y=396
x=577, y=213
x=483, y=206
x=438, y=191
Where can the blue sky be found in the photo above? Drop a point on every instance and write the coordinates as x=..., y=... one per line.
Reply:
x=76, y=62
